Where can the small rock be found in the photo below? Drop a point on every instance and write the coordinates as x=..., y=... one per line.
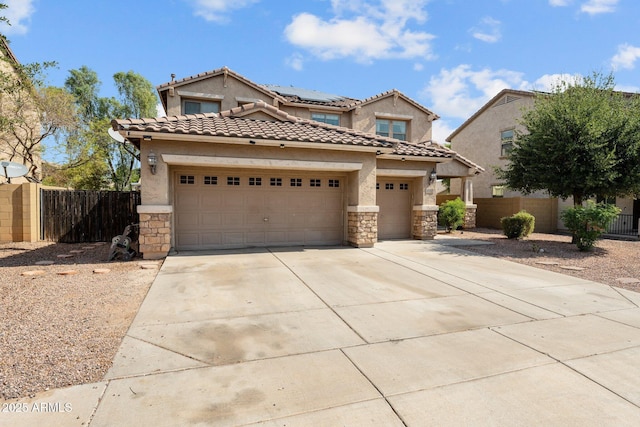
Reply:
x=65, y=256
x=87, y=248
x=547, y=262
x=628, y=280
x=33, y=273
x=571, y=267
x=101, y=271
x=76, y=251
x=44, y=262
x=148, y=266
x=67, y=272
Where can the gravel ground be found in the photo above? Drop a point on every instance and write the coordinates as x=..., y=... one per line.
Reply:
x=612, y=262
x=60, y=330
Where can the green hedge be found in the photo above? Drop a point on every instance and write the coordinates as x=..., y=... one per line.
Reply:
x=519, y=225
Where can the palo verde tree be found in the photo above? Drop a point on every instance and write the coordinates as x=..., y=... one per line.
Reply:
x=582, y=140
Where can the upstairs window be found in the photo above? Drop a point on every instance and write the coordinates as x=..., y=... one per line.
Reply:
x=392, y=128
x=331, y=119
x=506, y=139
x=191, y=106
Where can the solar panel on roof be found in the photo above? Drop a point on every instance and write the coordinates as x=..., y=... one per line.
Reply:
x=305, y=94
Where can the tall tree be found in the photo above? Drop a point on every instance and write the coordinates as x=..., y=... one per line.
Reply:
x=31, y=111
x=92, y=144
x=581, y=140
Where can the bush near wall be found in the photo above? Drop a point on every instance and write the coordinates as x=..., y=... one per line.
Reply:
x=519, y=225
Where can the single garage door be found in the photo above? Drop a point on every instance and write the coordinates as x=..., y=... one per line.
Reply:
x=394, y=199
x=219, y=209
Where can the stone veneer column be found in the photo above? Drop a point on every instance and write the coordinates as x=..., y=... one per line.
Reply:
x=470, y=216
x=425, y=222
x=155, y=230
x=362, y=228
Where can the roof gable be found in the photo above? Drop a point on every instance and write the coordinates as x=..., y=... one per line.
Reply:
x=396, y=94
x=503, y=97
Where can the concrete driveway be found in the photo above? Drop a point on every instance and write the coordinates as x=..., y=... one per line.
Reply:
x=407, y=333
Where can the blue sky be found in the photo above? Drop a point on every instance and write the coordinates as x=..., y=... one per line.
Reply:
x=450, y=55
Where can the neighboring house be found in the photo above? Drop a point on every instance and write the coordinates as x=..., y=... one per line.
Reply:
x=18, y=117
x=487, y=137
x=232, y=167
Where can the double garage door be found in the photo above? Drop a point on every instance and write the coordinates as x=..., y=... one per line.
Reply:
x=220, y=209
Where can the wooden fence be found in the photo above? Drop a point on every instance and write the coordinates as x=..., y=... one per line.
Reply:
x=70, y=216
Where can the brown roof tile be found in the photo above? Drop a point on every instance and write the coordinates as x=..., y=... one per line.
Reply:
x=284, y=127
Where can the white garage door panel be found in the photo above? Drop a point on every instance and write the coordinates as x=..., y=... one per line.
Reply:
x=394, y=199
x=219, y=215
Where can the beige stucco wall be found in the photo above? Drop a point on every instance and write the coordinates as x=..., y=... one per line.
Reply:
x=19, y=212
x=418, y=130
x=480, y=141
x=230, y=90
x=424, y=191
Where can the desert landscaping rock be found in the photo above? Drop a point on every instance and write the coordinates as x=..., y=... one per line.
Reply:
x=627, y=280
x=67, y=272
x=45, y=262
x=65, y=256
x=62, y=330
x=33, y=273
x=571, y=267
x=547, y=262
x=77, y=251
x=88, y=248
x=101, y=271
x=148, y=266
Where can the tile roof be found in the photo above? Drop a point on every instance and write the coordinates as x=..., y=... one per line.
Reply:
x=237, y=123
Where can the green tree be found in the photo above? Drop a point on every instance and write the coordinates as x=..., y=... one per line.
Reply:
x=31, y=111
x=581, y=140
x=93, y=157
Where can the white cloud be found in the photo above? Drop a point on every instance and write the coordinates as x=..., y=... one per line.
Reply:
x=160, y=110
x=18, y=12
x=594, y=7
x=441, y=129
x=218, y=10
x=626, y=57
x=295, y=61
x=488, y=30
x=364, y=31
x=558, y=3
x=418, y=66
x=461, y=91
x=548, y=82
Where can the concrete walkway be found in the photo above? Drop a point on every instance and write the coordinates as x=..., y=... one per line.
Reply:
x=407, y=333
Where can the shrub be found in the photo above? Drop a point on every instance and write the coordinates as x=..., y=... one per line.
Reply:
x=451, y=214
x=587, y=223
x=518, y=225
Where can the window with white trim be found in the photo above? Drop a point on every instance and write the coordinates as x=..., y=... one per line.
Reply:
x=233, y=180
x=256, y=182
x=296, y=182
x=404, y=186
x=187, y=179
x=192, y=106
x=334, y=183
x=314, y=183
x=331, y=119
x=210, y=180
x=276, y=182
x=392, y=128
x=388, y=186
x=506, y=139
x=497, y=190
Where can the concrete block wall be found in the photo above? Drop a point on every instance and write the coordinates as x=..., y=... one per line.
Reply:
x=19, y=212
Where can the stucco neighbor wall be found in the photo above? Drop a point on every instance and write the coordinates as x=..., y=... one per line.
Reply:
x=19, y=212
x=480, y=140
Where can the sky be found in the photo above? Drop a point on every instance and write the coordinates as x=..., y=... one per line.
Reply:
x=451, y=56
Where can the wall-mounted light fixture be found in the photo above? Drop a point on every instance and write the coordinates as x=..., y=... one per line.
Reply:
x=152, y=160
x=252, y=142
x=403, y=159
x=378, y=152
x=146, y=137
x=433, y=177
x=281, y=145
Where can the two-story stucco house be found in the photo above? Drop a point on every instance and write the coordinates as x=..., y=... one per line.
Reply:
x=487, y=136
x=19, y=116
x=236, y=164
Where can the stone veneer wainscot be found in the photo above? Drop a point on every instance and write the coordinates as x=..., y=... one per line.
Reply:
x=362, y=226
x=155, y=230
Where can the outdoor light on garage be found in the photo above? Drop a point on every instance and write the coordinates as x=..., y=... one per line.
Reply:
x=153, y=161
